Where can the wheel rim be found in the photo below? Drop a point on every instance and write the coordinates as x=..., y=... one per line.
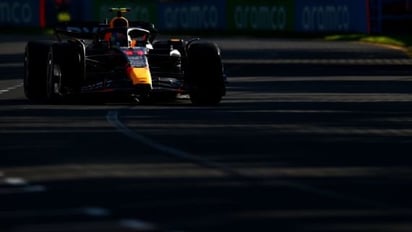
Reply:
x=26, y=73
x=53, y=78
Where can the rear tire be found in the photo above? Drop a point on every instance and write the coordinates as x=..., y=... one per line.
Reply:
x=204, y=74
x=35, y=66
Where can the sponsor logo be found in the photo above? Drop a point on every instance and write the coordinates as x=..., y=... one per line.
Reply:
x=326, y=18
x=260, y=17
x=16, y=12
x=192, y=17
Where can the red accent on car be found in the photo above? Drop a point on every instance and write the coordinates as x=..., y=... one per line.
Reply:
x=140, y=52
x=134, y=52
x=128, y=52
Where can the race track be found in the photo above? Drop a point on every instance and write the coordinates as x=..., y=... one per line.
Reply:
x=312, y=136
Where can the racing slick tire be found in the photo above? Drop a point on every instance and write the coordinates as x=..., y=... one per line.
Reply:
x=204, y=73
x=63, y=72
x=35, y=69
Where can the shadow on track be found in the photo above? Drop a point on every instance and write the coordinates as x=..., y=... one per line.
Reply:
x=325, y=86
x=315, y=70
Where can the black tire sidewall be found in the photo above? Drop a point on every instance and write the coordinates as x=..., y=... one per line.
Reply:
x=35, y=73
x=204, y=73
x=52, y=97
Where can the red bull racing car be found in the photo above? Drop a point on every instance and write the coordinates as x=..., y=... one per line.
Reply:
x=122, y=57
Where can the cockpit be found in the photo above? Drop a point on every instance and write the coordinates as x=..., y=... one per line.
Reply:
x=138, y=37
x=120, y=34
x=127, y=37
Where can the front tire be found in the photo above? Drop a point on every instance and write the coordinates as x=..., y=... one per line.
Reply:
x=204, y=73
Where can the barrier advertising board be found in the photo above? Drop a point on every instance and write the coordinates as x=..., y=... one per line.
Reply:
x=192, y=15
x=19, y=13
x=260, y=15
x=201, y=15
x=331, y=16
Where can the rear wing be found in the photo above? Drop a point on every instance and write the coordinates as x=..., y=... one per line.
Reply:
x=89, y=30
x=81, y=30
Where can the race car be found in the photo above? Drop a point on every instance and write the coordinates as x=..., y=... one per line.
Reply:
x=125, y=58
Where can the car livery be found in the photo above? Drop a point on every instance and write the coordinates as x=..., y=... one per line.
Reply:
x=122, y=57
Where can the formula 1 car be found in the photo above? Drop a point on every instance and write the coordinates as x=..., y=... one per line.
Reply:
x=122, y=57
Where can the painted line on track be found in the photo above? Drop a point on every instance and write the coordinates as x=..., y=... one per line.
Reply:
x=11, y=88
x=113, y=118
x=15, y=181
x=15, y=185
x=137, y=225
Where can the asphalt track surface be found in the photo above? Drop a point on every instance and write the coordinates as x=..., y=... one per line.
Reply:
x=312, y=136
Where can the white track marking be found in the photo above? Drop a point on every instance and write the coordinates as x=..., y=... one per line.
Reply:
x=113, y=118
x=11, y=88
x=15, y=181
x=14, y=185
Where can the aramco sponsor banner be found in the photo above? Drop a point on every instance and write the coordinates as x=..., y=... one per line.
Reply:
x=260, y=15
x=192, y=15
x=200, y=15
x=331, y=16
x=20, y=13
x=142, y=10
